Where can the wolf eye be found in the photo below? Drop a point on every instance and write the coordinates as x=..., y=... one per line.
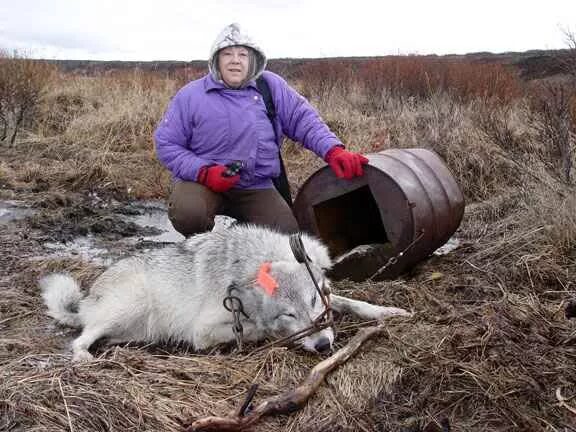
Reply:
x=287, y=315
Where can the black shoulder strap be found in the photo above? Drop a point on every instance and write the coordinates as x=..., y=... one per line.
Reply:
x=264, y=89
x=280, y=182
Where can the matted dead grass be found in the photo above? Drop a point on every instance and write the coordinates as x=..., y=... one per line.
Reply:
x=491, y=347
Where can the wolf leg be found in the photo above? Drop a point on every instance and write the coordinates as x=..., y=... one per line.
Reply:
x=84, y=341
x=363, y=309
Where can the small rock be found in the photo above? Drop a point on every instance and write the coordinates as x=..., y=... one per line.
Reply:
x=570, y=309
x=361, y=262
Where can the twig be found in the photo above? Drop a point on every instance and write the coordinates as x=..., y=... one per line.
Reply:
x=22, y=315
x=65, y=406
x=249, y=396
x=291, y=400
x=562, y=401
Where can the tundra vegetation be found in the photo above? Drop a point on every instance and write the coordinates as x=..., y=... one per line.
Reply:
x=492, y=346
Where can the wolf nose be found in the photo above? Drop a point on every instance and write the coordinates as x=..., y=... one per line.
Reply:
x=323, y=345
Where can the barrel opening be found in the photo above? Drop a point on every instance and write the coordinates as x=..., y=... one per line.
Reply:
x=349, y=220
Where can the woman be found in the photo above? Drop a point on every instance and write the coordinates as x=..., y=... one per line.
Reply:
x=222, y=148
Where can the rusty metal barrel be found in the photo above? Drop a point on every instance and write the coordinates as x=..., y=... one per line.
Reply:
x=406, y=205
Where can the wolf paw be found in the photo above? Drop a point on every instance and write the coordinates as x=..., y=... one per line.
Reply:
x=381, y=312
x=82, y=357
x=384, y=312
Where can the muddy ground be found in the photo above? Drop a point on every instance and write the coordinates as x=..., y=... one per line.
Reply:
x=485, y=352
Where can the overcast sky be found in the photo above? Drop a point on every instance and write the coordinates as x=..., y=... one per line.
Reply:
x=184, y=30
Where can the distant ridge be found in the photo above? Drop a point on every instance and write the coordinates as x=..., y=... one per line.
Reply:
x=531, y=64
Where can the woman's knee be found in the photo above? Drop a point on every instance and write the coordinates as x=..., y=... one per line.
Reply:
x=189, y=211
x=189, y=219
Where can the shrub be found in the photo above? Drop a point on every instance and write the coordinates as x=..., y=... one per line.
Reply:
x=555, y=103
x=322, y=77
x=407, y=78
x=22, y=83
x=422, y=76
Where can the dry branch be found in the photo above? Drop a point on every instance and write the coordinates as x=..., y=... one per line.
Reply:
x=292, y=400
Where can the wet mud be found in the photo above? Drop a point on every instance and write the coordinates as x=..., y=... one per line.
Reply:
x=85, y=227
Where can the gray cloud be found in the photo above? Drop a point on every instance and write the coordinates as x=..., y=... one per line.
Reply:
x=61, y=40
x=184, y=30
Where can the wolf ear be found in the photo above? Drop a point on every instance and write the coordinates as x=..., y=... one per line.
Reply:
x=265, y=280
x=317, y=252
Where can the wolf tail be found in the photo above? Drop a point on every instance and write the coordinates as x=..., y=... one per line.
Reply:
x=62, y=295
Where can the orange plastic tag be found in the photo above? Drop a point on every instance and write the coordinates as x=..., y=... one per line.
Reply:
x=265, y=280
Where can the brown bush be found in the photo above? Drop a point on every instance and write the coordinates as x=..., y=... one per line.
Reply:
x=59, y=109
x=320, y=78
x=22, y=83
x=555, y=103
x=405, y=78
x=422, y=76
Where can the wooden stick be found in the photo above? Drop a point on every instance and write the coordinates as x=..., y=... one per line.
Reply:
x=291, y=400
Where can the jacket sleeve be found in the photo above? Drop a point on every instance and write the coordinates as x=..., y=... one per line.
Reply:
x=172, y=137
x=300, y=121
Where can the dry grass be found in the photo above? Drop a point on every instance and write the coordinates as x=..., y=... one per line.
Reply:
x=96, y=133
x=488, y=349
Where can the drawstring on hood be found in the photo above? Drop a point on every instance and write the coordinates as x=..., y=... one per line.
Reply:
x=233, y=36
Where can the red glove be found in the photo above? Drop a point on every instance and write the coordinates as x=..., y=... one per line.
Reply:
x=345, y=164
x=213, y=178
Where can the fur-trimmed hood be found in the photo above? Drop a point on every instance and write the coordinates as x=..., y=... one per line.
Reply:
x=232, y=35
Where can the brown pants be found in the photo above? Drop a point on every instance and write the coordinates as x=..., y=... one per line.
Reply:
x=192, y=208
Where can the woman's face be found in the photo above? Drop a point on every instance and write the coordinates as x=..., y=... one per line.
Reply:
x=233, y=64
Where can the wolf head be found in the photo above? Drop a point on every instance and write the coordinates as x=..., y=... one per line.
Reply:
x=296, y=304
x=284, y=300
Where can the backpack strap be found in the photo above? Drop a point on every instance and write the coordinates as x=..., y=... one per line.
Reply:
x=281, y=182
x=264, y=89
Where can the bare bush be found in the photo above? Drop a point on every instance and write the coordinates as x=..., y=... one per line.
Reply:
x=495, y=124
x=421, y=77
x=320, y=79
x=569, y=61
x=22, y=82
x=554, y=102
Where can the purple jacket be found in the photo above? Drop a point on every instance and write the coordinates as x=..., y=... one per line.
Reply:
x=207, y=123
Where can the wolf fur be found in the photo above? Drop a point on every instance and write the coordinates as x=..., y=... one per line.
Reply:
x=176, y=293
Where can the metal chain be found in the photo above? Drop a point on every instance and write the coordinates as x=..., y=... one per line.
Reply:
x=233, y=304
x=301, y=256
x=394, y=259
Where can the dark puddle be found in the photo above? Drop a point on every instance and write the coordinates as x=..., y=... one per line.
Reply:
x=100, y=232
x=153, y=215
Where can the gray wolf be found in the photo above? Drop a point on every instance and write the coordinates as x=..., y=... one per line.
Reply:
x=176, y=293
